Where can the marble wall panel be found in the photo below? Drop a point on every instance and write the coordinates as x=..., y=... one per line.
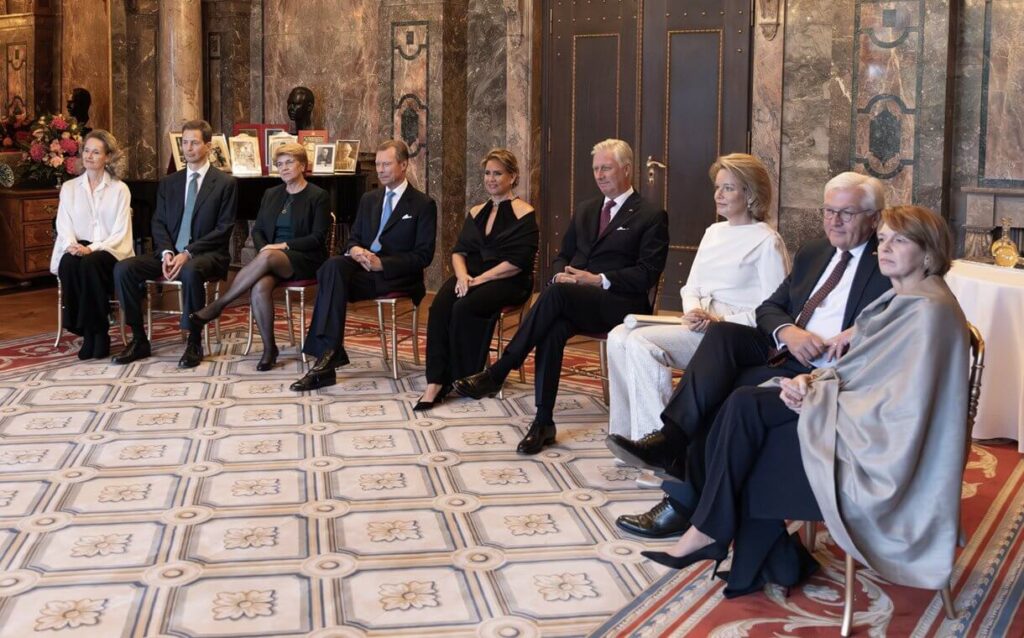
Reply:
x=487, y=95
x=766, y=93
x=332, y=47
x=524, y=19
x=410, y=113
x=1002, y=116
x=85, y=55
x=226, y=56
x=140, y=25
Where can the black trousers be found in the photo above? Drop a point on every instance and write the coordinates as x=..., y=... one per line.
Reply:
x=730, y=356
x=459, y=330
x=340, y=280
x=86, y=284
x=131, y=274
x=561, y=311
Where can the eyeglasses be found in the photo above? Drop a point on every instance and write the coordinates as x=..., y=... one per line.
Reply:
x=845, y=215
x=283, y=163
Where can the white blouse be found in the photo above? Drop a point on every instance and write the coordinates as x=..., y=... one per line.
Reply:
x=736, y=268
x=101, y=217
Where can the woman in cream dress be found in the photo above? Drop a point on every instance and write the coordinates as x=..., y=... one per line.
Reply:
x=739, y=263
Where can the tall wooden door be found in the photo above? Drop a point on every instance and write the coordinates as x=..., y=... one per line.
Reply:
x=671, y=78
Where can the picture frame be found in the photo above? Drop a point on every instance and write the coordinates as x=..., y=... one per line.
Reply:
x=269, y=131
x=309, y=139
x=220, y=156
x=245, y=156
x=346, y=160
x=176, y=153
x=324, y=161
x=274, y=141
x=251, y=128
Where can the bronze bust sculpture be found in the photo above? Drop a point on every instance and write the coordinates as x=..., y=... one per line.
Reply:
x=300, y=109
x=78, y=107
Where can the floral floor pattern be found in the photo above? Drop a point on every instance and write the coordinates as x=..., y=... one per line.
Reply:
x=145, y=500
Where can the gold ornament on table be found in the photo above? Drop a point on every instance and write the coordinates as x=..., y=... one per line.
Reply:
x=1004, y=251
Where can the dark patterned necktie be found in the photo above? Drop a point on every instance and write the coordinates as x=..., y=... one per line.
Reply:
x=606, y=216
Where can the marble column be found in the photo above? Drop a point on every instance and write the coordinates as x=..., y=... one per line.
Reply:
x=766, y=94
x=179, y=86
x=85, y=56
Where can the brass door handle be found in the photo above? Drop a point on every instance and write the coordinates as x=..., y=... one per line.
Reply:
x=651, y=165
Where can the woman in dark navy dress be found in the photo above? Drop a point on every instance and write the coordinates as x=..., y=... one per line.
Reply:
x=290, y=236
x=493, y=262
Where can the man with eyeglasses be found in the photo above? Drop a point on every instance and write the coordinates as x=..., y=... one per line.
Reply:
x=806, y=323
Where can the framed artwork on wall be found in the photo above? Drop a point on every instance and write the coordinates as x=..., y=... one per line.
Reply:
x=346, y=156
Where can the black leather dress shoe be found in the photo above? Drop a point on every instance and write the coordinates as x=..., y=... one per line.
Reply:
x=660, y=521
x=652, y=452
x=268, y=360
x=136, y=349
x=313, y=380
x=539, y=436
x=193, y=354
x=477, y=386
x=330, y=360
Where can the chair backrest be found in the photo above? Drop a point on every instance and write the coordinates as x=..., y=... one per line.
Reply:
x=974, y=383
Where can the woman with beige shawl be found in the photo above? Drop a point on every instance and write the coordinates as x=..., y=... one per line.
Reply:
x=881, y=435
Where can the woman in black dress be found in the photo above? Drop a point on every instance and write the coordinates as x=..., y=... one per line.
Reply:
x=493, y=262
x=290, y=236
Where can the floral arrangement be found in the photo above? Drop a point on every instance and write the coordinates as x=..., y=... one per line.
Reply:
x=15, y=131
x=52, y=152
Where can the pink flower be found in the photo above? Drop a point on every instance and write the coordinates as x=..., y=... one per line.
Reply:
x=71, y=165
x=55, y=146
x=56, y=161
x=36, y=152
x=38, y=134
x=8, y=141
x=59, y=122
x=70, y=147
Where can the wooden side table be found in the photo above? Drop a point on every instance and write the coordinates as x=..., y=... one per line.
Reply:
x=26, y=231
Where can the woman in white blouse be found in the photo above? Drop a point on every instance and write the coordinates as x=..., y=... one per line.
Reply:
x=94, y=232
x=739, y=263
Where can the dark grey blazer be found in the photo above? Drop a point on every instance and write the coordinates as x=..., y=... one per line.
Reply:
x=212, y=219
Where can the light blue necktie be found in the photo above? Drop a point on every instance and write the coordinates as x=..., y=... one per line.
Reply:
x=185, y=232
x=384, y=217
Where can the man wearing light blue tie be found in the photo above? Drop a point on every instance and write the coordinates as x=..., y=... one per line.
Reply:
x=391, y=244
x=195, y=213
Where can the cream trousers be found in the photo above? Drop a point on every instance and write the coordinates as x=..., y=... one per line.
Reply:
x=640, y=363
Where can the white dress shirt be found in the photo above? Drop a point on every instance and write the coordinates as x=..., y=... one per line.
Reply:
x=827, y=320
x=101, y=216
x=619, y=201
x=398, y=191
x=736, y=268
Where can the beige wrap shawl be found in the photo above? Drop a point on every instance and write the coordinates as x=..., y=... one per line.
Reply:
x=883, y=436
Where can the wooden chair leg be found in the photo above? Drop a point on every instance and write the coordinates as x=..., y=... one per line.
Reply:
x=248, y=334
x=302, y=324
x=810, y=531
x=848, y=598
x=947, y=602
x=60, y=313
x=394, y=341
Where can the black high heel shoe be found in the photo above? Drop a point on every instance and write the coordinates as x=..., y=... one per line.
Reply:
x=715, y=551
x=268, y=360
x=426, y=405
x=198, y=323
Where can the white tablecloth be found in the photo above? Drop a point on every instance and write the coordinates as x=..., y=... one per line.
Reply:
x=993, y=300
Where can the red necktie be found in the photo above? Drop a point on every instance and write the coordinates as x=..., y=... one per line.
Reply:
x=606, y=216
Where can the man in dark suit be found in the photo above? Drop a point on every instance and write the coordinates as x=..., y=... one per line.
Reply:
x=806, y=323
x=195, y=213
x=392, y=243
x=612, y=255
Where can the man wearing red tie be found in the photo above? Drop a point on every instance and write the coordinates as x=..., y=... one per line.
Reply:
x=612, y=255
x=806, y=323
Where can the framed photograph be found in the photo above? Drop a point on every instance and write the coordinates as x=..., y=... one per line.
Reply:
x=269, y=131
x=324, y=164
x=273, y=142
x=220, y=156
x=245, y=156
x=253, y=129
x=310, y=139
x=346, y=156
x=179, y=158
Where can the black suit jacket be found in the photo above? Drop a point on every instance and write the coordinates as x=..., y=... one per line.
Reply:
x=808, y=265
x=409, y=237
x=213, y=217
x=631, y=252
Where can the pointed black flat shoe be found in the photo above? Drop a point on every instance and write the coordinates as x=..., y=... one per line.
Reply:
x=422, y=405
x=268, y=360
x=714, y=551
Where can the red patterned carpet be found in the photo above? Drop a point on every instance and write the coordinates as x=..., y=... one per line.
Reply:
x=988, y=584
